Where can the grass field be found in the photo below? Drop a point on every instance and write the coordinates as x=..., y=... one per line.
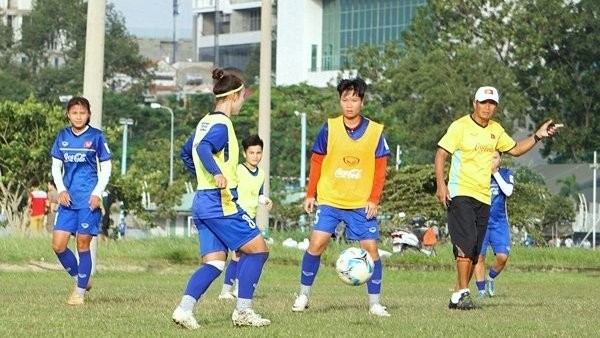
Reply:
x=543, y=292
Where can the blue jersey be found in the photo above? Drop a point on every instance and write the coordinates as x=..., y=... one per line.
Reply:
x=81, y=156
x=498, y=216
x=320, y=146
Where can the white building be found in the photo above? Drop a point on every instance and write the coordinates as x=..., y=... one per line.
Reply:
x=12, y=13
x=313, y=36
x=237, y=27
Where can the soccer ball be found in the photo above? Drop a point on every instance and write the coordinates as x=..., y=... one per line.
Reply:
x=354, y=266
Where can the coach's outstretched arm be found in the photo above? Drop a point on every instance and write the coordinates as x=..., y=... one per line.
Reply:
x=548, y=129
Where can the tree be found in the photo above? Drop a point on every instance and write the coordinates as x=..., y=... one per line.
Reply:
x=412, y=190
x=558, y=211
x=54, y=32
x=569, y=187
x=548, y=45
x=27, y=132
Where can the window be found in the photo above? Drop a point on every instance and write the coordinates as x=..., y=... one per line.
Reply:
x=313, y=58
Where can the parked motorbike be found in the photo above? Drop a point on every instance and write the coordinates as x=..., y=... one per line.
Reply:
x=403, y=240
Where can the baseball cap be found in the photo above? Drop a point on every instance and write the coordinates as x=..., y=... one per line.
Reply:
x=487, y=93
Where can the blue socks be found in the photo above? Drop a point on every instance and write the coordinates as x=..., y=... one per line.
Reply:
x=231, y=272
x=68, y=261
x=374, y=284
x=310, y=267
x=201, y=280
x=493, y=274
x=249, y=270
x=85, y=269
x=480, y=285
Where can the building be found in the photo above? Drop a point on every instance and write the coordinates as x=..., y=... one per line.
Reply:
x=237, y=27
x=12, y=13
x=313, y=36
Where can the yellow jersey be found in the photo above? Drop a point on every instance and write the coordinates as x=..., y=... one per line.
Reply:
x=472, y=147
x=349, y=166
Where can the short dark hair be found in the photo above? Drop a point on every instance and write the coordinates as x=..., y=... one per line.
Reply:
x=252, y=140
x=81, y=101
x=358, y=85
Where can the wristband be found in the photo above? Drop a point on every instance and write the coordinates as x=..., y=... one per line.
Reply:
x=536, y=138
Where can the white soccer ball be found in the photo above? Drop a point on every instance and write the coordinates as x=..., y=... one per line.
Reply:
x=354, y=266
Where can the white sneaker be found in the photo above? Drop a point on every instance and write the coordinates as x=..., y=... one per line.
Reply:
x=185, y=319
x=379, y=310
x=248, y=318
x=227, y=295
x=300, y=304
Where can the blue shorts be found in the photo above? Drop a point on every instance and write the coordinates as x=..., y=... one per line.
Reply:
x=498, y=238
x=225, y=233
x=78, y=221
x=357, y=226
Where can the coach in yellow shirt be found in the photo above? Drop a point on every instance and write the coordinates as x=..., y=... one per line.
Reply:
x=472, y=141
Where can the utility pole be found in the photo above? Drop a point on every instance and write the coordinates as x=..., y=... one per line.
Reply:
x=217, y=28
x=175, y=14
x=93, y=76
x=264, y=103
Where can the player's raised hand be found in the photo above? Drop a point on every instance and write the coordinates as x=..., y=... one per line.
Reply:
x=549, y=129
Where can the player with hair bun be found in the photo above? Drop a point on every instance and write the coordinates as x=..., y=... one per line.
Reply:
x=212, y=155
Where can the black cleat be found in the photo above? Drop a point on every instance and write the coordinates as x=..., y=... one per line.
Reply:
x=464, y=303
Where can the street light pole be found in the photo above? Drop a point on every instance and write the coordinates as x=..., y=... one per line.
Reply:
x=155, y=105
x=302, y=149
x=125, y=122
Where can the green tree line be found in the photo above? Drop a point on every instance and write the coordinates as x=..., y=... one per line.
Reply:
x=540, y=54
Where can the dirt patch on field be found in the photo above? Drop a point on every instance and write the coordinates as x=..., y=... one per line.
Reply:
x=39, y=266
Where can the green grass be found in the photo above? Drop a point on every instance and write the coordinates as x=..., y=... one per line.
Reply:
x=543, y=292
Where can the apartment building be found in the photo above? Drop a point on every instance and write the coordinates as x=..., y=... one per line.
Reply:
x=226, y=32
x=313, y=36
x=12, y=13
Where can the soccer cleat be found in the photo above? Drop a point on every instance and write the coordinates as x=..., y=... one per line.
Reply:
x=300, y=304
x=185, y=319
x=75, y=299
x=489, y=285
x=379, y=310
x=464, y=303
x=227, y=295
x=248, y=317
x=481, y=294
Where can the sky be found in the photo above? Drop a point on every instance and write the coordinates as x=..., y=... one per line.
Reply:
x=154, y=18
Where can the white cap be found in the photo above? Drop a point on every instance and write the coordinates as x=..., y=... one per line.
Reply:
x=487, y=93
